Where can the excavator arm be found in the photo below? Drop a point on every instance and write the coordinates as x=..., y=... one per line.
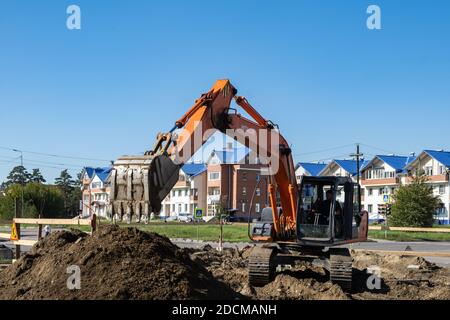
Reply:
x=139, y=184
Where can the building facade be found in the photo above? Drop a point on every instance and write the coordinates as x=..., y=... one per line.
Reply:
x=435, y=164
x=380, y=177
x=95, y=192
x=234, y=184
x=189, y=193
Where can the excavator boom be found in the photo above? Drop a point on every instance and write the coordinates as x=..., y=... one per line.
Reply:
x=140, y=183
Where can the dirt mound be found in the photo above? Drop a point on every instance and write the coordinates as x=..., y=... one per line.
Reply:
x=115, y=263
x=406, y=278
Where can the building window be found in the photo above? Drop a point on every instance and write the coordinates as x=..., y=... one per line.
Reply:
x=243, y=207
x=179, y=193
x=96, y=185
x=173, y=193
x=244, y=176
x=179, y=207
x=258, y=177
x=381, y=191
x=186, y=207
x=214, y=176
x=257, y=208
x=441, y=189
x=244, y=191
x=258, y=191
x=442, y=170
x=185, y=193
x=370, y=208
x=392, y=190
x=173, y=207
x=213, y=191
x=370, y=190
x=429, y=171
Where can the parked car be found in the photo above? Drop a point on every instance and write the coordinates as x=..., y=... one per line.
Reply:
x=185, y=217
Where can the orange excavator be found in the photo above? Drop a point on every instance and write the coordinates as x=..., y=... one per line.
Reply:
x=305, y=221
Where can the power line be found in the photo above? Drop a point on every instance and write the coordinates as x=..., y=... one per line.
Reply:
x=323, y=150
x=53, y=155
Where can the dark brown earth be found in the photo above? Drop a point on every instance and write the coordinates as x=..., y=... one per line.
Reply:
x=125, y=263
x=115, y=263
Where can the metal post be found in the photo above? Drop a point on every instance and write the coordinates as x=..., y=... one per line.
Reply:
x=18, y=214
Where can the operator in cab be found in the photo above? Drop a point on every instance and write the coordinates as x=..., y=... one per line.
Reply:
x=323, y=208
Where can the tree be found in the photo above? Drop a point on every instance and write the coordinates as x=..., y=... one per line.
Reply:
x=18, y=175
x=71, y=194
x=414, y=204
x=36, y=176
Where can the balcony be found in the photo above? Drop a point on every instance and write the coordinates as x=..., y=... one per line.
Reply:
x=380, y=182
x=213, y=198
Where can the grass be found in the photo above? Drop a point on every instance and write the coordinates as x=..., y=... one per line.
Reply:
x=409, y=236
x=237, y=232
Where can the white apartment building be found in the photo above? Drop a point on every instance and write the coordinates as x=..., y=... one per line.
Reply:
x=188, y=193
x=308, y=169
x=380, y=177
x=435, y=165
x=95, y=192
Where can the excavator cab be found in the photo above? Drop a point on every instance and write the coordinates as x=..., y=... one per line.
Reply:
x=328, y=210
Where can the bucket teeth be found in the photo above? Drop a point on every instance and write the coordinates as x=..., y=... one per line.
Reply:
x=139, y=184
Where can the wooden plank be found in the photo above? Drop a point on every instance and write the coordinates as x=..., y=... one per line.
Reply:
x=409, y=253
x=5, y=235
x=21, y=242
x=78, y=222
x=437, y=230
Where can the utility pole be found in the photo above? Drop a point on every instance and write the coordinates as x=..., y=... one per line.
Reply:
x=358, y=155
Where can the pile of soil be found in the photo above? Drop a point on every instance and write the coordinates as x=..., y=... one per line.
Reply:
x=125, y=263
x=115, y=263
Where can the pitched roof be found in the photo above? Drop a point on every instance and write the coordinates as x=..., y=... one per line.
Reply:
x=440, y=156
x=232, y=156
x=101, y=173
x=349, y=165
x=399, y=163
x=193, y=169
x=312, y=168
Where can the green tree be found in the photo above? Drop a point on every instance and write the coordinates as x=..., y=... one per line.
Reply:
x=36, y=176
x=18, y=175
x=414, y=204
x=71, y=193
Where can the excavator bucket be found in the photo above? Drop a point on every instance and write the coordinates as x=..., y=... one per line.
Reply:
x=139, y=184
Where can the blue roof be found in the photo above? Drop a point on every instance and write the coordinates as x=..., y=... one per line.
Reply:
x=102, y=173
x=313, y=168
x=397, y=162
x=441, y=156
x=193, y=169
x=233, y=156
x=350, y=165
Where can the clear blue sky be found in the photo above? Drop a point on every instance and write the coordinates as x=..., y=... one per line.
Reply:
x=135, y=66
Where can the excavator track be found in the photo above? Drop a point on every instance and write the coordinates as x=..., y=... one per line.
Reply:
x=341, y=268
x=261, y=266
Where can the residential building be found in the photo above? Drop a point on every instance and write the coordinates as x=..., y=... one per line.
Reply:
x=95, y=192
x=342, y=168
x=235, y=184
x=308, y=169
x=380, y=177
x=436, y=166
x=188, y=193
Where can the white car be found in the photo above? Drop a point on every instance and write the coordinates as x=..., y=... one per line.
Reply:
x=185, y=217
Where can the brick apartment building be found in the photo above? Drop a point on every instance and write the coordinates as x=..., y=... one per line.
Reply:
x=235, y=184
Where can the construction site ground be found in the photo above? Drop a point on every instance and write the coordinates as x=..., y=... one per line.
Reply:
x=126, y=263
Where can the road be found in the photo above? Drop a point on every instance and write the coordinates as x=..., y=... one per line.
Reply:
x=422, y=246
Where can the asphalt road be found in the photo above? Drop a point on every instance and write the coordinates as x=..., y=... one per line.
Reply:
x=422, y=246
